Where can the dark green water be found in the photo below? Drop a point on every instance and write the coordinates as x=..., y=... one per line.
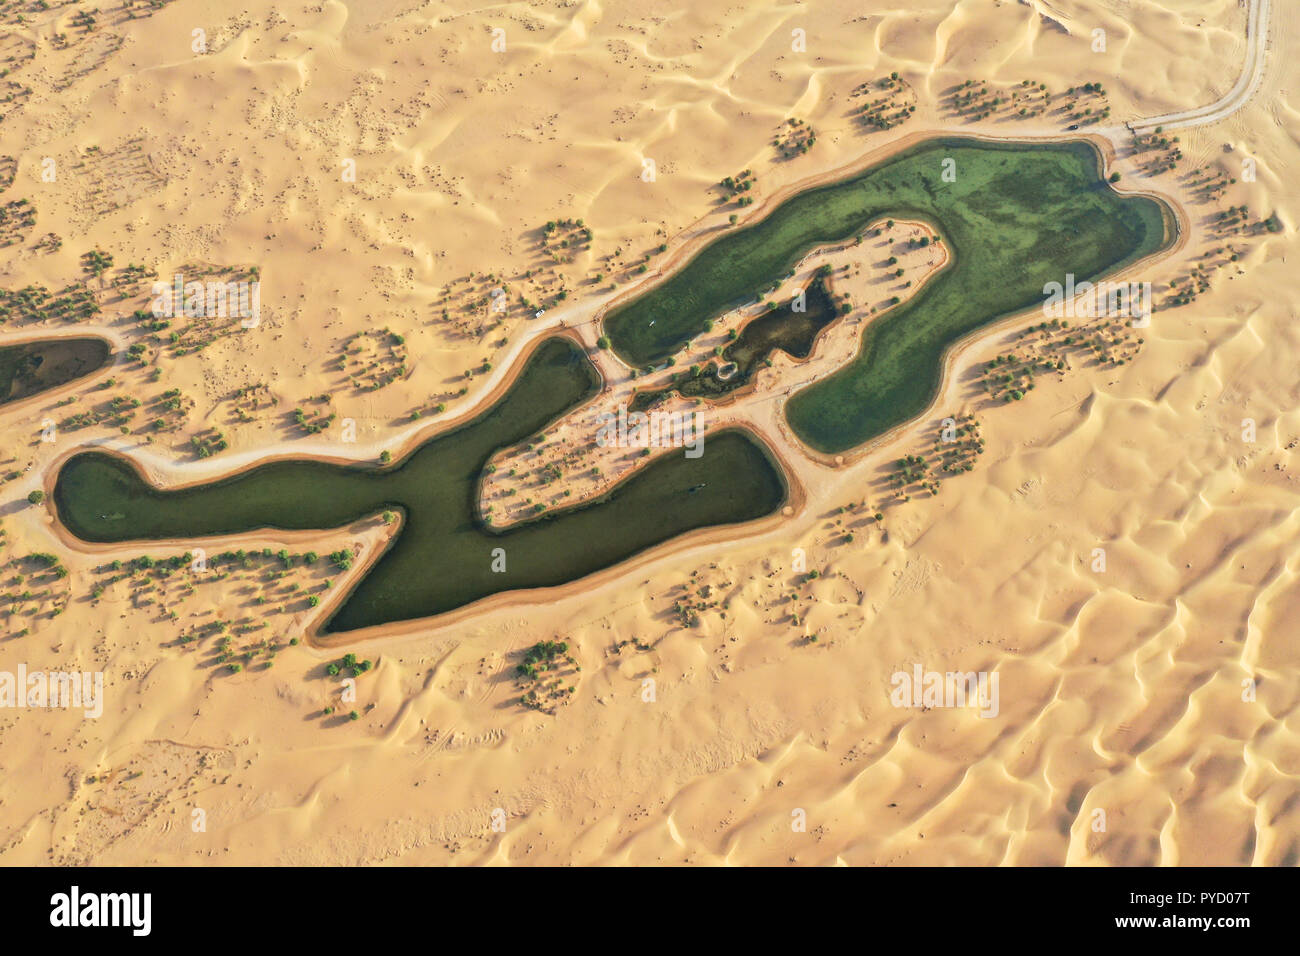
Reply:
x=34, y=367
x=443, y=556
x=1016, y=216
x=782, y=328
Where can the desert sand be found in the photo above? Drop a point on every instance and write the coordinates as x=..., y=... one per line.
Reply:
x=385, y=167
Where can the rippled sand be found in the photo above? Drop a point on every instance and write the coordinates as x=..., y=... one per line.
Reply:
x=1161, y=691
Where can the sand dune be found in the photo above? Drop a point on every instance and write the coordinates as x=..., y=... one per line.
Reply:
x=756, y=725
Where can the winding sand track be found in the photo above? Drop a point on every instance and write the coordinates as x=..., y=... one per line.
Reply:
x=1252, y=74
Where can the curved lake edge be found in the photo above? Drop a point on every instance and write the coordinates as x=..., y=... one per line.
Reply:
x=1102, y=152
x=112, y=357
x=728, y=399
x=316, y=628
x=163, y=474
x=704, y=235
x=318, y=634
x=1177, y=227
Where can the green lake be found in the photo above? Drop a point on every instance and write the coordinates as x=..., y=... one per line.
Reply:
x=1015, y=215
x=442, y=557
x=785, y=328
x=34, y=367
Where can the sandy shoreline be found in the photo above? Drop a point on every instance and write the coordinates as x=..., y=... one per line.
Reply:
x=115, y=343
